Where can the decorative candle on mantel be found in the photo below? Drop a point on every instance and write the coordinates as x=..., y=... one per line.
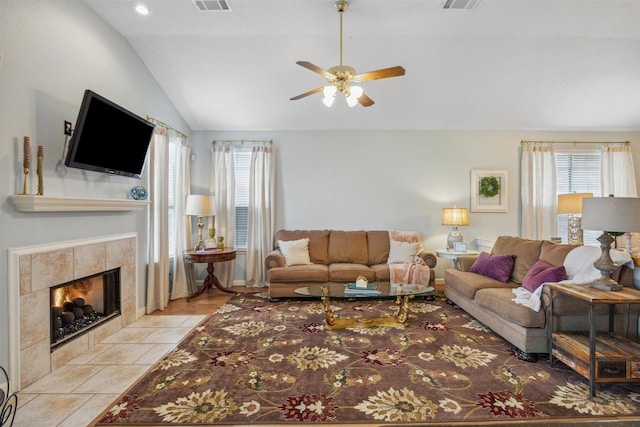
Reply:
x=26, y=162
x=40, y=166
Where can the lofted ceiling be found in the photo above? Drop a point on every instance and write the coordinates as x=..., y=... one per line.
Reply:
x=502, y=65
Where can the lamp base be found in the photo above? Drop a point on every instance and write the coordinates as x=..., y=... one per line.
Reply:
x=453, y=238
x=610, y=285
x=606, y=266
x=574, y=225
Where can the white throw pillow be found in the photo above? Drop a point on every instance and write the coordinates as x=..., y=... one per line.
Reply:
x=402, y=252
x=296, y=252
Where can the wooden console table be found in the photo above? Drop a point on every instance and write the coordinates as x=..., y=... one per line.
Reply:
x=602, y=357
x=208, y=257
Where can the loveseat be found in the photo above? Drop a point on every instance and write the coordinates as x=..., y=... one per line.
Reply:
x=336, y=256
x=491, y=300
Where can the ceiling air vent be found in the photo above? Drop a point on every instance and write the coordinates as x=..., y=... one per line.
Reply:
x=212, y=5
x=460, y=4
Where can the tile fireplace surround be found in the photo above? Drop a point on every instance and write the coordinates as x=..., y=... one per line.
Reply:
x=35, y=269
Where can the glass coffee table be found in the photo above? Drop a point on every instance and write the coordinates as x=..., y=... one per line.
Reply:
x=401, y=293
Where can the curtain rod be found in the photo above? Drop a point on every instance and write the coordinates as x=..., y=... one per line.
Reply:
x=575, y=142
x=166, y=126
x=242, y=141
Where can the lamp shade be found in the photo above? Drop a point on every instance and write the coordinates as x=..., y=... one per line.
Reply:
x=611, y=214
x=571, y=203
x=199, y=205
x=455, y=216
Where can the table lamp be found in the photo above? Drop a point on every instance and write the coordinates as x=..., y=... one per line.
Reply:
x=571, y=204
x=609, y=215
x=455, y=217
x=199, y=206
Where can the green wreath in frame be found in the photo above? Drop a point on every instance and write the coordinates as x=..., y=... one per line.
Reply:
x=489, y=186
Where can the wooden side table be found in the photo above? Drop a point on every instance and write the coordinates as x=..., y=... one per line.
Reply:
x=208, y=257
x=453, y=255
x=603, y=357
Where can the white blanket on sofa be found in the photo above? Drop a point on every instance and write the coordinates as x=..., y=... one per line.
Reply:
x=579, y=266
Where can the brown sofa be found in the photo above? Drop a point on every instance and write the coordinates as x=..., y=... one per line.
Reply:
x=336, y=256
x=491, y=301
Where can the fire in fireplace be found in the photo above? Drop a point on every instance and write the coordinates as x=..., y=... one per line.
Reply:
x=82, y=304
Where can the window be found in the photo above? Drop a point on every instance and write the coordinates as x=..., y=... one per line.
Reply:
x=242, y=166
x=577, y=171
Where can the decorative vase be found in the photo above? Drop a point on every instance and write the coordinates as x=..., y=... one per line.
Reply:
x=220, y=242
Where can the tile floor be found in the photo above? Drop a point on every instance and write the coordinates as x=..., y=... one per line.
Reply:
x=74, y=394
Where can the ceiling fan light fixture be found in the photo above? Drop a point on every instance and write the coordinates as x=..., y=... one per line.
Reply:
x=353, y=93
x=340, y=77
x=328, y=100
x=329, y=93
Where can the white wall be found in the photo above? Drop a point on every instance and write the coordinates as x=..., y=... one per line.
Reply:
x=397, y=179
x=51, y=52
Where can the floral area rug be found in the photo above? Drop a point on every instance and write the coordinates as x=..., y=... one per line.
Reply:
x=258, y=362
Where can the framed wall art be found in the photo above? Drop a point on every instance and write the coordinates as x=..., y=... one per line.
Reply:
x=489, y=191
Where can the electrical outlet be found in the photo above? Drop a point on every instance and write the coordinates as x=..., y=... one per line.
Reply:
x=67, y=128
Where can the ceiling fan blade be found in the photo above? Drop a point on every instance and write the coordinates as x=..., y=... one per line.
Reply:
x=365, y=101
x=311, y=92
x=380, y=74
x=315, y=68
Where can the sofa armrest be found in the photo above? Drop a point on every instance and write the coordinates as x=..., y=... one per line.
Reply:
x=429, y=258
x=464, y=262
x=274, y=259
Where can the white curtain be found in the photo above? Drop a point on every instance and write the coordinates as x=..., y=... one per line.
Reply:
x=261, y=212
x=223, y=188
x=182, y=239
x=618, y=173
x=158, y=285
x=158, y=266
x=538, y=191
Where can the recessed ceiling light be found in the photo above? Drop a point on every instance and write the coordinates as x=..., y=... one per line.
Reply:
x=142, y=8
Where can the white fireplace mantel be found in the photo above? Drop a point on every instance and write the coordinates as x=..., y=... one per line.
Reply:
x=33, y=203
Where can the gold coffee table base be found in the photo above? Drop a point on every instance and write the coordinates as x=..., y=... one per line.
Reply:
x=399, y=319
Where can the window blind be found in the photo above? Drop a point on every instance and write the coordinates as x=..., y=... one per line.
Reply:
x=578, y=172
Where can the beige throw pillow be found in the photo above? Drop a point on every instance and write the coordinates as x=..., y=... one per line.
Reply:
x=402, y=252
x=295, y=252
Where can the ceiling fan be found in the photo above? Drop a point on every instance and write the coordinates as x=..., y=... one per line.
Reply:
x=341, y=77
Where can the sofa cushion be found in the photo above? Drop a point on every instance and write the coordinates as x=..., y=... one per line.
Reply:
x=318, y=242
x=499, y=301
x=349, y=247
x=402, y=252
x=497, y=267
x=383, y=273
x=295, y=252
x=349, y=272
x=554, y=253
x=378, y=247
x=467, y=283
x=300, y=273
x=527, y=252
x=541, y=272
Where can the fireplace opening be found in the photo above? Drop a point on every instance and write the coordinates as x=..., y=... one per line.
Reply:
x=82, y=304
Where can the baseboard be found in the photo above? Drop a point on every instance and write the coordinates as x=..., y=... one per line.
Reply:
x=141, y=312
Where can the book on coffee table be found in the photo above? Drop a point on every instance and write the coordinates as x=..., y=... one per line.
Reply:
x=371, y=289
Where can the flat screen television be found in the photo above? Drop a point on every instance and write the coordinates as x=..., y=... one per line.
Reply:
x=108, y=138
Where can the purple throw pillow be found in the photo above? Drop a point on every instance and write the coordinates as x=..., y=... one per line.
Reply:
x=497, y=267
x=540, y=273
